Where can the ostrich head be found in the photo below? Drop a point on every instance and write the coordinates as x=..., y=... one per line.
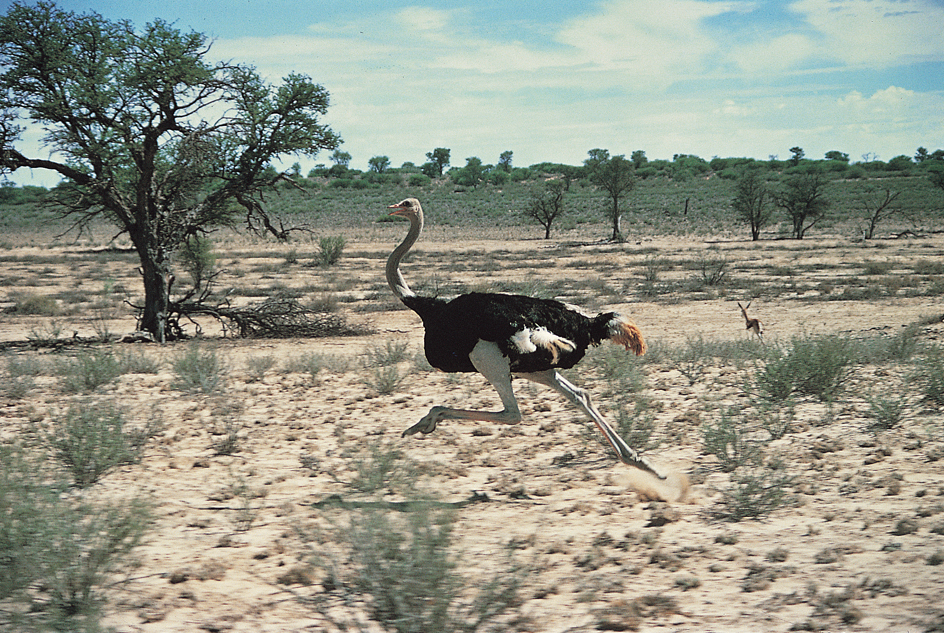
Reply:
x=408, y=208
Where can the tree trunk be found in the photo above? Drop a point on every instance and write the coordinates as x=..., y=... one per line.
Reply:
x=617, y=216
x=156, y=274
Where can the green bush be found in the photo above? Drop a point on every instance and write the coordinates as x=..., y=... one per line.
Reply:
x=886, y=411
x=753, y=493
x=330, y=249
x=199, y=370
x=729, y=440
x=401, y=562
x=419, y=180
x=90, y=440
x=39, y=305
x=88, y=371
x=197, y=258
x=930, y=375
x=58, y=551
x=814, y=366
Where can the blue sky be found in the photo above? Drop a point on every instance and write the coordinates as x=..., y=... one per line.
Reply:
x=551, y=80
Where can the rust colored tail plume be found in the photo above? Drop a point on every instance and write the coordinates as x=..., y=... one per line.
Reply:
x=624, y=332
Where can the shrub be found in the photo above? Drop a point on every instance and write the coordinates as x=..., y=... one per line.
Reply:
x=88, y=371
x=729, y=441
x=753, y=493
x=39, y=305
x=57, y=550
x=310, y=362
x=391, y=352
x=385, y=379
x=137, y=362
x=330, y=250
x=816, y=366
x=90, y=440
x=199, y=369
x=402, y=564
x=19, y=375
x=886, y=412
x=257, y=366
x=197, y=258
x=930, y=375
x=419, y=180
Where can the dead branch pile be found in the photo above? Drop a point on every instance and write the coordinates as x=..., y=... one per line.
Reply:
x=278, y=318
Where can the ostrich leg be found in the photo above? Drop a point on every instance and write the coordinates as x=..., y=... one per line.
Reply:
x=488, y=360
x=581, y=398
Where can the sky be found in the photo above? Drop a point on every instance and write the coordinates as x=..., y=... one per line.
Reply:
x=551, y=80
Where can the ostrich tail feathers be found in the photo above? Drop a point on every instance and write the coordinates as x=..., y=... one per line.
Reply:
x=624, y=332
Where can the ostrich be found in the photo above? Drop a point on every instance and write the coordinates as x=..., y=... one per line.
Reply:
x=503, y=335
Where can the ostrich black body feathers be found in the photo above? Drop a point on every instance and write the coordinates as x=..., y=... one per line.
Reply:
x=453, y=328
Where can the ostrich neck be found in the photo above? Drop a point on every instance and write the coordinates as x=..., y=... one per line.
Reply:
x=394, y=276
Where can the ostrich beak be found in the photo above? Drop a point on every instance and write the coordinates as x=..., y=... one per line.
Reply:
x=398, y=209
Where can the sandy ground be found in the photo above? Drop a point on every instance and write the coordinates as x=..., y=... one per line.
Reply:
x=229, y=553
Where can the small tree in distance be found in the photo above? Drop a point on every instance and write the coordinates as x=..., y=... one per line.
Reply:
x=504, y=161
x=804, y=200
x=547, y=204
x=379, y=164
x=438, y=161
x=750, y=201
x=616, y=176
x=878, y=208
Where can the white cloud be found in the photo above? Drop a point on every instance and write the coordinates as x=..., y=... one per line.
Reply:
x=653, y=39
x=877, y=33
x=778, y=55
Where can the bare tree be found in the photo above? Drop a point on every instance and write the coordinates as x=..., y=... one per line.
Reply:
x=547, y=204
x=878, y=208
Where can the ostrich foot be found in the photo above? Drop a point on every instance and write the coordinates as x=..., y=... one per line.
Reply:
x=637, y=461
x=427, y=424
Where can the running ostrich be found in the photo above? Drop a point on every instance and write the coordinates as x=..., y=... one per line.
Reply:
x=503, y=335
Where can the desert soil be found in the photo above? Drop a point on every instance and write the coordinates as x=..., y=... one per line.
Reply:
x=605, y=553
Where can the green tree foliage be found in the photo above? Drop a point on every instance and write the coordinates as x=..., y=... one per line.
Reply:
x=901, y=163
x=547, y=204
x=804, y=200
x=837, y=155
x=504, y=161
x=472, y=175
x=148, y=134
x=750, y=201
x=796, y=155
x=379, y=164
x=438, y=160
x=341, y=159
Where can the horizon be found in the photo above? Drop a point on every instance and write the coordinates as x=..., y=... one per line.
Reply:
x=551, y=81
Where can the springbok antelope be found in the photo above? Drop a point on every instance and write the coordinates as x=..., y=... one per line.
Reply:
x=752, y=324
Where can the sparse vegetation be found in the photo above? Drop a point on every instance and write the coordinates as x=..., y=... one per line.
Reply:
x=199, y=369
x=753, y=493
x=303, y=422
x=91, y=439
x=403, y=563
x=89, y=370
x=58, y=550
